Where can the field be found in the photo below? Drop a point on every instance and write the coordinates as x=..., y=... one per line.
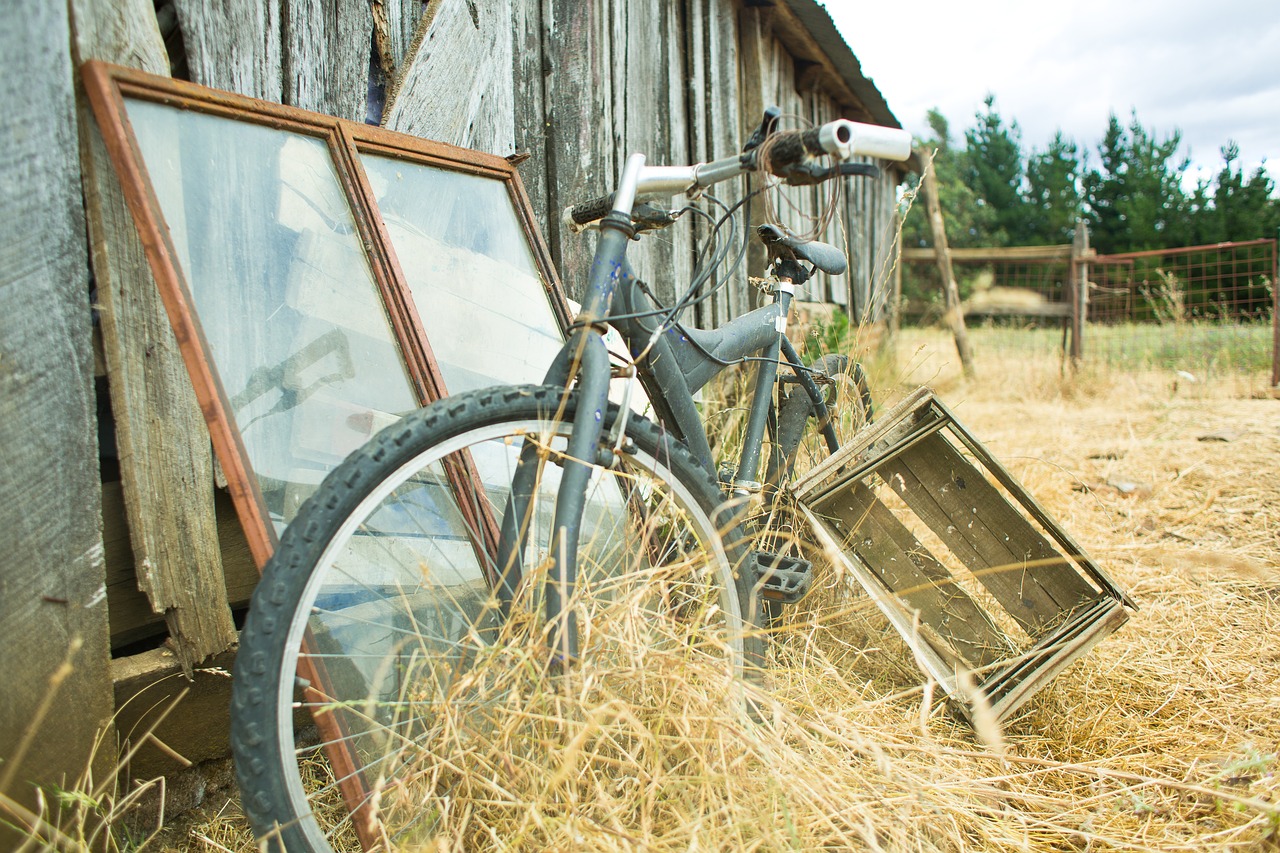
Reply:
x=1208, y=350
x=1163, y=737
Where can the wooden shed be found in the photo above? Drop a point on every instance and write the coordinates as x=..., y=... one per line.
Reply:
x=124, y=564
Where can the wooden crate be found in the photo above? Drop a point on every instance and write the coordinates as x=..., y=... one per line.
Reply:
x=991, y=594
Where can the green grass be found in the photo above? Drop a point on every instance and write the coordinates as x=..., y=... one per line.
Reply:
x=1203, y=348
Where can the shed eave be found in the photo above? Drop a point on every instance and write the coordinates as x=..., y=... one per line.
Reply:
x=814, y=17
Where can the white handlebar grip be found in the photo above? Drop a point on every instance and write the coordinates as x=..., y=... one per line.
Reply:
x=846, y=138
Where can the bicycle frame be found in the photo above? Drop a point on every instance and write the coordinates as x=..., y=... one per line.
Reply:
x=672, y=362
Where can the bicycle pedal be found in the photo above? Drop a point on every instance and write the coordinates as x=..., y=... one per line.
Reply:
x=782, y=578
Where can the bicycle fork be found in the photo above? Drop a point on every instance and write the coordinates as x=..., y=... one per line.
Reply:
x=585, y=358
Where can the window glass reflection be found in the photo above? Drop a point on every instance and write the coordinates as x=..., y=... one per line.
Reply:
x=474, y=280
x=282, y=292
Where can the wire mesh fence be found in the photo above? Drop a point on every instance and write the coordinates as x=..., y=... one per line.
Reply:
x=1014, y=300
x=1202, y=310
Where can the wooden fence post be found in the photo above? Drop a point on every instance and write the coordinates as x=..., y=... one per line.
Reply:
x=1079, y=290
x=950, y=290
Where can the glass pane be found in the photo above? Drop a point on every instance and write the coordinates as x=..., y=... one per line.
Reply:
x=474, y=280
x=283, y=292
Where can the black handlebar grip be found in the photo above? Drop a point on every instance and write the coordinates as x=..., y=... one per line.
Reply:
x=790, y=147
x=590, y=211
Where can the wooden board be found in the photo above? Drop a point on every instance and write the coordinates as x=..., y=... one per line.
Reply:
x=131, y=616
x=582, y=150
x=905, y=566
x=1030, y=579
x=174, y=721
x=325, y=53
x=234, y=45
x=457, y=86
x=715, y=126
x=51, y=568
x=529, y=129
x=165, y=461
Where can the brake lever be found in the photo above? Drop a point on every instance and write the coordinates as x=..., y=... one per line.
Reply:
x=650, y=217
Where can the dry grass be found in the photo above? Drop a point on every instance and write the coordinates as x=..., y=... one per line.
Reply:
x=1164, y=737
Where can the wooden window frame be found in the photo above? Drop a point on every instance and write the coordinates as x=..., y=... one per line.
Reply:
x=107, y=86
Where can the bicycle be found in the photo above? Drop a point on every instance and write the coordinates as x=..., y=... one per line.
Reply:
x=414, y=577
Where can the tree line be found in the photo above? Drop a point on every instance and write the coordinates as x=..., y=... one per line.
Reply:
x=1132, y=190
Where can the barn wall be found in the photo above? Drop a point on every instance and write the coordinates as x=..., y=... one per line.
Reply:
x=52, y=602
x=681, y=81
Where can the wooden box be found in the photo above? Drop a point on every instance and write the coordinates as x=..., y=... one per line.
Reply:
x=992, y=595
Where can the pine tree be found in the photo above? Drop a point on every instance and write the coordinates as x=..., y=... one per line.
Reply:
x=1135, y=198
x=1243, y=208
x=968, y=222
x=993, y=169
x=1053, y=198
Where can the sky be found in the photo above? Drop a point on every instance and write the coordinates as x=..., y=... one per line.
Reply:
x=1209, y=68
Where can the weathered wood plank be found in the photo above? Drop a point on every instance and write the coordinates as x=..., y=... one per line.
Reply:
x=51, y=565
x=725, y=133
x=234, y=45
x=325, y=52
x=529, y=128
x=699, y=75
x=403, y=16
x=191, y=718
x=1008, y=556
x=394, y=24
x=906, y=567
x=131, y=615
x=163, y=443
x=581, y=125
x=642, y=113
x=674, y=133
x=457, y=87
x=755, y=94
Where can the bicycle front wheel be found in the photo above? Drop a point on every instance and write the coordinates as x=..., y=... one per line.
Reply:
x=378, y=614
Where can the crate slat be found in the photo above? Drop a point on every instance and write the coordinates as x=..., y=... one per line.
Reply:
x=905, y=566
x=996, y=569
x=1006, y=554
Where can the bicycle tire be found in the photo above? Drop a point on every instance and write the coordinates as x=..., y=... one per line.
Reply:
x=323, y=554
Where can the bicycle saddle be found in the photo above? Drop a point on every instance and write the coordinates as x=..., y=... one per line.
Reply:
x=825, y=257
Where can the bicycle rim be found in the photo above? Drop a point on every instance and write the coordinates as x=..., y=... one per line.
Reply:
x=408, y=654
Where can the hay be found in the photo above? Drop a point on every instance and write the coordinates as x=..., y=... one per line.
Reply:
x=1164, y=737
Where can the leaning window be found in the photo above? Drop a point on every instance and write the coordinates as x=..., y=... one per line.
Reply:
x=323, y=278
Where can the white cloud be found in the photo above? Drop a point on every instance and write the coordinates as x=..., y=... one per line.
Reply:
x=1208, y=69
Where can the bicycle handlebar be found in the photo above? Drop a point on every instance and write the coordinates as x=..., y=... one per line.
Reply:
x=783, y=152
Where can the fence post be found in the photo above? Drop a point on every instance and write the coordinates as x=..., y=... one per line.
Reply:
x=1079, y=290
x=1275, y=312
x=955, y=314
